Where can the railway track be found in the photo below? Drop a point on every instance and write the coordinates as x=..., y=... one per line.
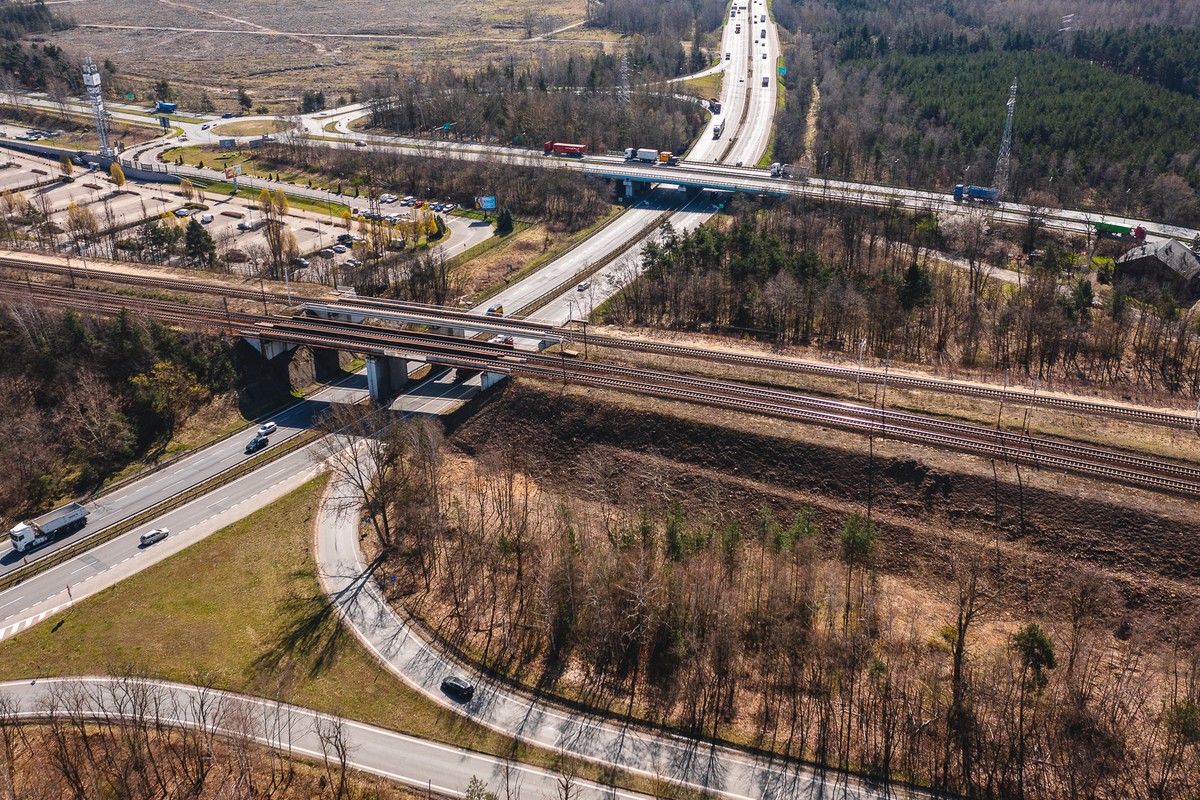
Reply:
x=454, y=352
x=537, y=329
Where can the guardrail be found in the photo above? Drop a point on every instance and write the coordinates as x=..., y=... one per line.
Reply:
x=140, y=518
x=543, y=300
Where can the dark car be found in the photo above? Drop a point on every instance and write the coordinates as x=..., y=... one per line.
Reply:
x=458, y=688
x=256, y=444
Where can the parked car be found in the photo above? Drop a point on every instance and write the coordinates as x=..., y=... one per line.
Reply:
x=339, y=248
x=458, y=688
x=183, y=212
x=156, y=535
x=245, y=226
x=266, y=429
x=256, y=444
x=300, y=262
x=206, y=219
x=326, y=253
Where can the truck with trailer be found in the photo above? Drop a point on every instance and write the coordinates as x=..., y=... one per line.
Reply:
x=718, y=129
x=51, y=525
x=667, y=158
x=1125, y=233
x=785, y=171
x=981, y=194
x=714, y=105
x=565, y=149
x=648, y=155
x=163, y=107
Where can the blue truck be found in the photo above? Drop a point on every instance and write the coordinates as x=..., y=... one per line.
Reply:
x=163, y=107
x=980, y=193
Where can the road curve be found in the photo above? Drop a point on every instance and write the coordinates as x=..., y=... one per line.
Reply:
x=395, y=756
x=696, y=765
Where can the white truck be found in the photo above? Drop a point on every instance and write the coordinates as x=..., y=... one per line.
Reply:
x=646, y=154
x=51, y=525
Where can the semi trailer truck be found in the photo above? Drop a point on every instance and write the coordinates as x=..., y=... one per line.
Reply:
x=564, y=149
x=980, y=194
x=1127, y=233
x=51, y=525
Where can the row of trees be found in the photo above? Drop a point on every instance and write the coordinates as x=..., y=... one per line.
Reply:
x=779, y=629
x=80, y=398
x=120, y=739
x=834, y=274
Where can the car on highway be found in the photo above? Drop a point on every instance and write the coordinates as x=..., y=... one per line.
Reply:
x=495, y=311
x=458, y=688
x=267, y=428
x=183, y=212
x=584, y=286
x=256, y=444
x=156, y=535
x=360, y=143
x=728, y=56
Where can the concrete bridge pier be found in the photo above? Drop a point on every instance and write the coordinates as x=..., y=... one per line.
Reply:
x=270, y=349
x=386, y=375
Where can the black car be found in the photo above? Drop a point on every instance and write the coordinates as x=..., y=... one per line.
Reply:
x=256, y=444
x=458, y=688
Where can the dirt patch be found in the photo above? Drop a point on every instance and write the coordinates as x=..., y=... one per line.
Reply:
x=644, y=452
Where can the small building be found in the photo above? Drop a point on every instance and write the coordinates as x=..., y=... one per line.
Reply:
x=1168, y=263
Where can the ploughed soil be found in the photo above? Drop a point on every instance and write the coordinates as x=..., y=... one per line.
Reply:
x=1050, y=527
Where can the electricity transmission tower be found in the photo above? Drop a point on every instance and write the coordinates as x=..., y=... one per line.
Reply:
x=1004, y=159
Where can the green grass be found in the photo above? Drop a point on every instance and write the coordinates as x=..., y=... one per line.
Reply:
x=224, y=189
x=707, y=86
x=243, y=610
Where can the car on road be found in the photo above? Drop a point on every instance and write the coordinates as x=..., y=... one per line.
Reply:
x=300, y=262
x=502, y=340
x=339, y=248
x=584, y=286
x=495, y=311
x=156, y=535
x=256, y=444
x=360, y=143
x=206, y=219
x=458, y=688
x=227, y=115
x=183, y=212
x=205, y=126
x=245, y=226
x=266, y=429
x=741, y=80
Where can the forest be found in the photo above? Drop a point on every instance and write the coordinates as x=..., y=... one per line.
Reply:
x=80, y=398
x=830, y=275
x=774, y=629
x=574, y=99
x=915, y=92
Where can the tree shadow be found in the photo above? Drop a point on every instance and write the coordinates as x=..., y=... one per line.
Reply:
x=311, y=636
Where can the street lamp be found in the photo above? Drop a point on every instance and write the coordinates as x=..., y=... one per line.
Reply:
x=894, y=163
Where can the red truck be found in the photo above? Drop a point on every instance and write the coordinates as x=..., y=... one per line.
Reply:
x=564, y=149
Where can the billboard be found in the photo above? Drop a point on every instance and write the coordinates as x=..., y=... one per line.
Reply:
x=228, y=144
x=234, y=171
x=486, y=203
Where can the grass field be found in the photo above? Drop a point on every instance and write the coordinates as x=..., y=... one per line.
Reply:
x=243, y=609
x=251, y=127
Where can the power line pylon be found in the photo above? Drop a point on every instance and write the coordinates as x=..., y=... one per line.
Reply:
x=1004, y=159
x=91, y=82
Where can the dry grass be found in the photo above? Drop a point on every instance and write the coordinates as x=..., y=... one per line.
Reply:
x=252, y=127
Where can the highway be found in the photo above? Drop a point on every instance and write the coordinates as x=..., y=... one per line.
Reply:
x=695, y=764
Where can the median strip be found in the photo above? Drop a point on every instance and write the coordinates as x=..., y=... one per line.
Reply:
x=158, y=509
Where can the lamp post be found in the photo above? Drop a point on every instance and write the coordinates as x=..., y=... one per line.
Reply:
x=895, y=161
x=858, y=378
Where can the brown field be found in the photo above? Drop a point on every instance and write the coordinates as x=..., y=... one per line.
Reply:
x=277, y=49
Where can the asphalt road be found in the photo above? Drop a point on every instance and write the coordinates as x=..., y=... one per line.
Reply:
x=406, y=759
x=684, y=763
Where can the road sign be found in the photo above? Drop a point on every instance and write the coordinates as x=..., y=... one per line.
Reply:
x=783, y=70
x=165, y=122
x=485, y=203
x=227, y=144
